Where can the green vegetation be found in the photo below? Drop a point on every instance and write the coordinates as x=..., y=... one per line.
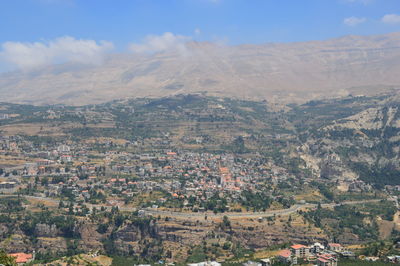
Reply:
x=379, y=176
x=347, y=218
x=6, y=260
x=255, y=201
x=344, y=262
x=196, y=254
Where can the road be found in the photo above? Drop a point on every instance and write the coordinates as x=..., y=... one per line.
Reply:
x=269, y=213
x=201, y=215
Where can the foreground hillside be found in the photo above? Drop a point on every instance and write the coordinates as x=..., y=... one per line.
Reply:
x=293, y=72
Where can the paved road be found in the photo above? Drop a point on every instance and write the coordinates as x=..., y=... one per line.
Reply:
x=270, y=213
x=200, y=215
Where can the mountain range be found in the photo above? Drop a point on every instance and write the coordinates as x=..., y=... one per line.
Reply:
x=275, y=72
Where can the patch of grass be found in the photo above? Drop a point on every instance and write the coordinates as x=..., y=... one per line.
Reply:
x=197, y=255
x=124, y=261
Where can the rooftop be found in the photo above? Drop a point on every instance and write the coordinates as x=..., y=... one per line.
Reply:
x=21, y=257
x=285, y=253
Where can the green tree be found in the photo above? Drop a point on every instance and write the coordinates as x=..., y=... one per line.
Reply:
x=6, y=260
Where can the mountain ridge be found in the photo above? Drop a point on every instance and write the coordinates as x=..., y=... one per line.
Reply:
x=276, y=72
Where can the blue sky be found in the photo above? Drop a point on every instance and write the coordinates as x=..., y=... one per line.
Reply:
x=125, y=22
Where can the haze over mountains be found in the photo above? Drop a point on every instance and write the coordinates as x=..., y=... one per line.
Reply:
x=285, y=72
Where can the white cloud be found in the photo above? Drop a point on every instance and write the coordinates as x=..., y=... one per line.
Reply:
x=161, y=43
x=354, y=21
x=391, y=19
x=60, y=50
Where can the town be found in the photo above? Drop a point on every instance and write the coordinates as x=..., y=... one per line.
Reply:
x=221, y=186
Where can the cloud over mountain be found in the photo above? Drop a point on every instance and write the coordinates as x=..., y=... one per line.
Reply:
x=281, y=72
x=28, y=55
x=161, y=43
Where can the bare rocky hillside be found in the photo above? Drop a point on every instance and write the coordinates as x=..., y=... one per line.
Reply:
x=292, y=72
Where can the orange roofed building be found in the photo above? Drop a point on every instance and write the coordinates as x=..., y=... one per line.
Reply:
x=300, y=251
x=326, y=260
x=22, y=258
x=335, y=247
x=285, y=256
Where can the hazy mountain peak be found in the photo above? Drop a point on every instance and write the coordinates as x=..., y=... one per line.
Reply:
x=275, y=72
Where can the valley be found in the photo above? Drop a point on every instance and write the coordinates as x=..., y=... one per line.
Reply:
x=167, y=178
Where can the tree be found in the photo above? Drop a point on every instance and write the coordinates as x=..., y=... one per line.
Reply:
x=6, y=260
x=226, y=246
x=71, y=208
x=225, y=222
x=45, y=181
x=102, y=228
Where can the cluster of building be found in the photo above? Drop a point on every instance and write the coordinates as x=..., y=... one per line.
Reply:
x=317, y=254
x=82, y=167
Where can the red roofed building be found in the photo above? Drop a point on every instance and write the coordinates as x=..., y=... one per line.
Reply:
x=300, y=251
x=335, y=247
x=22, y=258
x=326, y=260
x=285, y=256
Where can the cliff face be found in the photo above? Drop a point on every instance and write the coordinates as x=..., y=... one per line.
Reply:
x=129, y=238
x=358, y=138
x=275, y=72
x=150, y=238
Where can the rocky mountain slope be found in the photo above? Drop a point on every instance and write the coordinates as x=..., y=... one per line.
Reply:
x=358, y=138
x=288, y=72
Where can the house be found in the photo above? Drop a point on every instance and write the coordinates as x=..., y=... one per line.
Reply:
x=317, y=248
x=393, y=259
x=285, y=256
x=300, y=251
x=66, y=158
x=347, y=254
x=373, y=259
x=266, y=262
x=22, y=258
x=326, y=260
x=205, y=263
x=7, y=185
x=252, y=263
x=4, y=116
x=63, y=148
x=335, y=247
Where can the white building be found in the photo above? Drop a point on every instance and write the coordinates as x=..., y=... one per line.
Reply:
x=205, y=263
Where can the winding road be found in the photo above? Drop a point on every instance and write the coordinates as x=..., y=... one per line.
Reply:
x=200, y=215
x=268, y=213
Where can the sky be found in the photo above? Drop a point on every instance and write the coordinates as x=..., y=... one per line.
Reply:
x=40, y=32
